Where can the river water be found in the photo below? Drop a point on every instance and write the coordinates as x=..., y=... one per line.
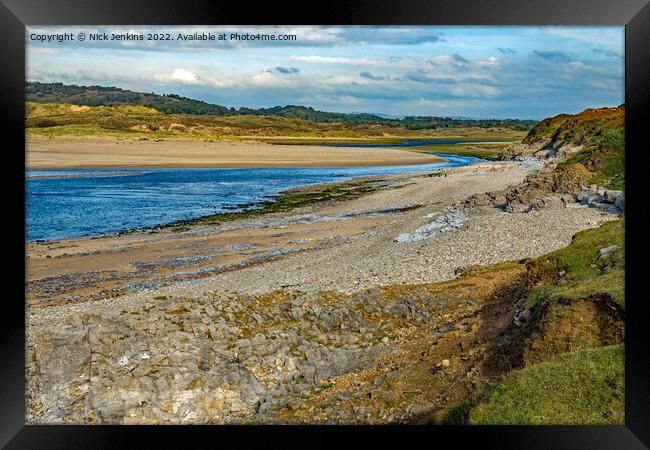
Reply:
x=87, y=202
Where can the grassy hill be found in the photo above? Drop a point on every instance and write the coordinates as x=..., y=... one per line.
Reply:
x=174, y=104
x=113, y=96
x=61, y=119
x=586, y=128
x=604, y=153
x=591, y=145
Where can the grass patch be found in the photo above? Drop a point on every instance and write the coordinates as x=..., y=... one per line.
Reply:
x=585, y=128
x=585, y=387
x=585, y=273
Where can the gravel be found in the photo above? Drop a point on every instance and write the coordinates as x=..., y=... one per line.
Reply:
x=487, y=235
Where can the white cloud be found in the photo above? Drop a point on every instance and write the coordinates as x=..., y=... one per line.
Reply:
x=335, y=60
x=178, y=75
x=401, y=70
x=608, y=37
x=490, y=62
x=184, y=75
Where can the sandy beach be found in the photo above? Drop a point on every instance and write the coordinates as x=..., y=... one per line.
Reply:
x=95, y=152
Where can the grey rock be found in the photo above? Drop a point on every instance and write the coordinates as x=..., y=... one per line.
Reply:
x=517, y=207
x=620, y=202
x=111, y=409
x=611, y=196
x=524, y=315
x=607, y=251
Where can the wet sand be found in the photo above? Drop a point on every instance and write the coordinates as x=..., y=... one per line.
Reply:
x=94, y=152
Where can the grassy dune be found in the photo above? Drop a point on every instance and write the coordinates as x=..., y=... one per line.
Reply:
x=489, y=151
x=58, y=119
x=585, y=387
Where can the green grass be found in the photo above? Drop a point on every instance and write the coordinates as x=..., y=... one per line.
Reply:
x=610, y=160
x=475, y=134
x=585, y=387
x=606, y=160
x=328, y=140
x=585, y=274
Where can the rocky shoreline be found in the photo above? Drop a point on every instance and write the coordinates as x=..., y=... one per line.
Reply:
x=325, y=334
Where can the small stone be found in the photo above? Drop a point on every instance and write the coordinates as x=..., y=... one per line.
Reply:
x=111, y=408
x=607, y=251
x=389, y=397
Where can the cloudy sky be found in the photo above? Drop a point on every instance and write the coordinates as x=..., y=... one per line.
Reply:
x=484, y=72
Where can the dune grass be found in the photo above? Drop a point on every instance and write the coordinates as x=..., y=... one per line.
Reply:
x=585, y=387
x=584, y=272
x=56, y=119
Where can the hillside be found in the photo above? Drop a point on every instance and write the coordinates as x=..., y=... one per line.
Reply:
x=562, y=360
x=589, y=148
x=570, y=319
x=60, y=119
x=585, y=128
x=113, y=96
x=174, y=104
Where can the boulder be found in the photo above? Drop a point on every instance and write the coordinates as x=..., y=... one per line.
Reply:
x=620, y=202
x=607, y=251
x=517, y=207
x=610, y=196
x=588, y=196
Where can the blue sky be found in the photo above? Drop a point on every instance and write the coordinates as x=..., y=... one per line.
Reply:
x=485, y=72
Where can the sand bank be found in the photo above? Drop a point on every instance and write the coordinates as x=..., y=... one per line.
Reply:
x=72, y=152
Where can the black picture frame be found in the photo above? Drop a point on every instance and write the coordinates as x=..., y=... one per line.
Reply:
x=15, y=14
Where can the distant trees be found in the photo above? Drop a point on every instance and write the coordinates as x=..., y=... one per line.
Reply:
x=175, y=104
x=113, y=96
